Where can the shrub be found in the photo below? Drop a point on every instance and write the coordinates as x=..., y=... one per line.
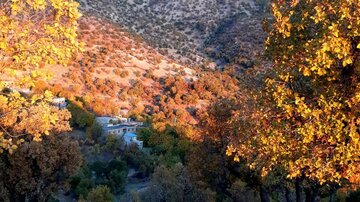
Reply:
x=117, y=180
x=124, y=74
x=353, y=196
x=80, y=117
x=94, y=132
x=138, y=159
x=113, y=143
x=84, y=186
x=100, y=194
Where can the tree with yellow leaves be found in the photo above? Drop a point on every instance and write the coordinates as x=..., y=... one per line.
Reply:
x=33, y=33
x=307, y=122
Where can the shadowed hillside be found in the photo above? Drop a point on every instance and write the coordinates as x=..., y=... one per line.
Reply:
x=183, y=29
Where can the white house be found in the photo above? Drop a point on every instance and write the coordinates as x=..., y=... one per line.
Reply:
x=8, y=83
x=121, y=127
x=105, y=121
x=124, y=112
x=131, y=138
x=59, y=102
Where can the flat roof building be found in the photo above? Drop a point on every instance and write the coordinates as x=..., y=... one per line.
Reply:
x=122, y=128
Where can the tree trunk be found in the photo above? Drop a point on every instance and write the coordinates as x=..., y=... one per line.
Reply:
x=311, y=194
x=287, y=195
x=308, y=195
x=264, y=195
x=298, y=190
x=332, y=196
x=314, y=194
x=333, y=193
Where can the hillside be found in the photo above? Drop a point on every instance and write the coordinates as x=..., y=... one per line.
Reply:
x=148, y=57
x=182, y=29
x=179, y=100
x=120, y=71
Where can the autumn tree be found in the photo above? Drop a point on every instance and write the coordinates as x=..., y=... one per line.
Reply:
x=307, y=120
x=33, y=33
x=37, y=169
x=207, y=162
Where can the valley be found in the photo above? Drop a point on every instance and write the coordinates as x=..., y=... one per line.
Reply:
x=179, y=100
x=120, y=71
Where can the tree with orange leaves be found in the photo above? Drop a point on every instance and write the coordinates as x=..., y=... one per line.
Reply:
x=307, y=121
x=33, y=33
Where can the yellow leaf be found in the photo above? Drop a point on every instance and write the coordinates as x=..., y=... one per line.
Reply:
x=307, y=72
x=347, y=61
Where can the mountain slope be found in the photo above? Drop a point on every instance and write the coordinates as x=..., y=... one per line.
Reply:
x=120, y=71
x=179, y=28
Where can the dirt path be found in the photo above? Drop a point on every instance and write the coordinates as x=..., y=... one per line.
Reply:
x=133, y=185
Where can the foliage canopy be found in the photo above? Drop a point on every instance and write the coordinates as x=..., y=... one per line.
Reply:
x=33, y=33
x=307, y=120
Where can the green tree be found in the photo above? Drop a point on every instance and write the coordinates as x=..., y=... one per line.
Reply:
x=100, y=194
x=94, y=132
x=113, y=143
x=80, y=117
x=173, y=184
x=117, y=179
x=140, y=160
x=145, y=134
x=81, y=183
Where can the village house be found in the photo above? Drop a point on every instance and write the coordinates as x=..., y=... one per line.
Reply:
x=124, y=111
x=59, y=102
x=8, y=83
x=121, y=127
x=131, y=138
